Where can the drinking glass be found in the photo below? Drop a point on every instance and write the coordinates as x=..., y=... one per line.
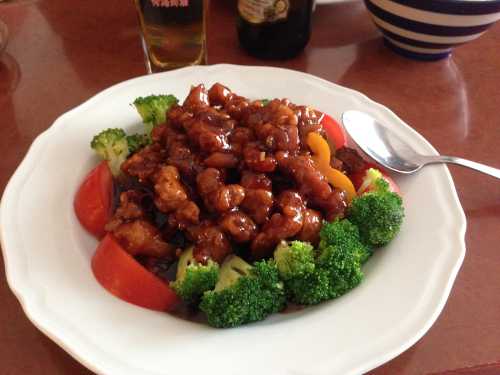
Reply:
x=173, y=32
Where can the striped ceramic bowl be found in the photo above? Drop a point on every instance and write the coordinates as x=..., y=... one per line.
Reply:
x=429, y=29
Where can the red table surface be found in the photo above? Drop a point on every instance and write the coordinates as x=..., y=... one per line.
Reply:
x=61, y=53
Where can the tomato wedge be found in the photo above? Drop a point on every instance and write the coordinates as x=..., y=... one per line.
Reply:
x=121, y=275
x=93, y=200
x=333, y=131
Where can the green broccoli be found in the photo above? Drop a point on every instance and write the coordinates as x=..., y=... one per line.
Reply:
x=341, y=254
x=136, y=142
x=194, y=278
x=343, y=268
x=294, y=259
x=344, y=234
x=304, y=283
x=309, y=289
x=244, y=293
x=333, y=269
x=153, y=109
x=112, y=146
x=378, y=214
x=370, y=180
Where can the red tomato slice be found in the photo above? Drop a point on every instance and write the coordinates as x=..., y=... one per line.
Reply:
x=358, y=177
x=93, y=200
x=121, y=275
x=334, y=131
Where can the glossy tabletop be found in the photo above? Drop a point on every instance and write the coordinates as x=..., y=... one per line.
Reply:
x=61, y=52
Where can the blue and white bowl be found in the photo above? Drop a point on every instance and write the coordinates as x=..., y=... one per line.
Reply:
x=429, y=29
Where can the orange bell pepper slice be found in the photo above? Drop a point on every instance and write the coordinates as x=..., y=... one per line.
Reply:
x=321, y=157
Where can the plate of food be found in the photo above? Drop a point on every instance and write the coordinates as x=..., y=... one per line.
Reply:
x=215, y=219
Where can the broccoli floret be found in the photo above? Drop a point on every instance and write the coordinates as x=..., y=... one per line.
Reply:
x=294, y=259
x=243, y=294
x=337, y=270
x=343, y=267
x=153, y=109
x=370, y=181
x=194, y=278
x=296, y=265
x=311, y=278
x=378, y=214
x=112, y=146
x=341, y=254
x=136, y=142
x=344, y=234
x=309, y=289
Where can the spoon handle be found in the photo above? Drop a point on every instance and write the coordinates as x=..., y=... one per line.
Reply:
x=494, y=172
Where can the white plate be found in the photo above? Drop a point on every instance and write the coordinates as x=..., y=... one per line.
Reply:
x=47, y=254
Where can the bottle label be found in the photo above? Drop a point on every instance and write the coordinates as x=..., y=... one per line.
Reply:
x=258, y=11
x=170, y=3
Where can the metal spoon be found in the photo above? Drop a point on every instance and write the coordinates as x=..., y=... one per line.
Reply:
x=392, y=152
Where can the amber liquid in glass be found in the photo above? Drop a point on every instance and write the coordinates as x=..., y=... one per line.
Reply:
x=174, y=34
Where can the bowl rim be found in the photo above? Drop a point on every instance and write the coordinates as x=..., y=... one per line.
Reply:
x=456, y=7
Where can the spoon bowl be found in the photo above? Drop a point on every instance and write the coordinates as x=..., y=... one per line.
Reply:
x=394, y=153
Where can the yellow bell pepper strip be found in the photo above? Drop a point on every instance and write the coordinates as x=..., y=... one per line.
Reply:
x=340, y=181
x=321, y=157
x=320, y=148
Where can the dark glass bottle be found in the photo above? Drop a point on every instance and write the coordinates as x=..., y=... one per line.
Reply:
x=274, y=29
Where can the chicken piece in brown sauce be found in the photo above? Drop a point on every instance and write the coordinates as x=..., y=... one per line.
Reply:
x=227, y=172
